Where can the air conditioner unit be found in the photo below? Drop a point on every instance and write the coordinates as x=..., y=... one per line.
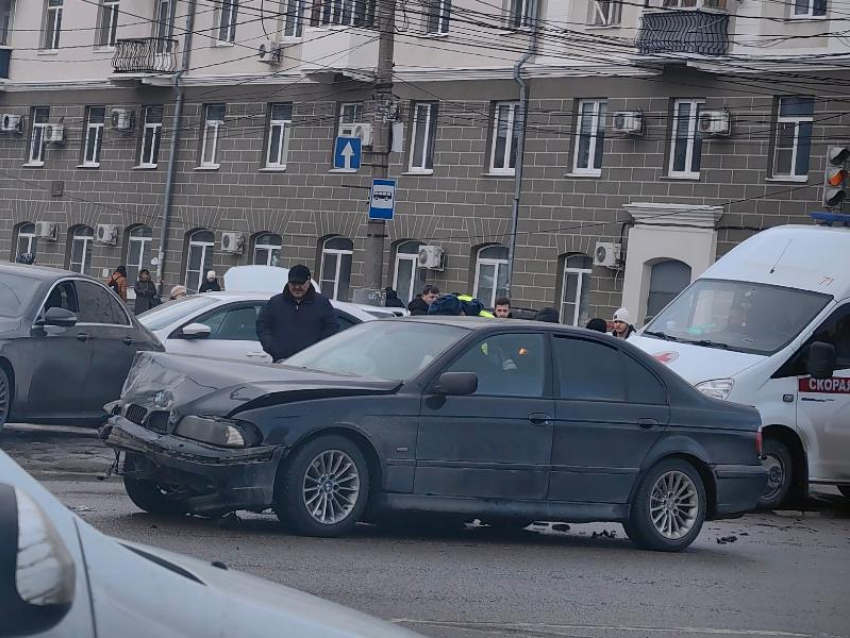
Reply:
x=363, y=130
x=269, y=52
x=717, y=123
x=607, y=254
x=55, y=134
x=628, y=122
x=123, y=120
x=232, y=243
x=45, y=230
x=11, y=123
x=431, y=257
x=107, y=234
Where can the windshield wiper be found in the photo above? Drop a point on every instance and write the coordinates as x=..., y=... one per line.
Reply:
x=661, y=335
x=706, y=343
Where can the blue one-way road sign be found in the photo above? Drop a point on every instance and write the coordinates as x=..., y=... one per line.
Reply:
x=347, y=153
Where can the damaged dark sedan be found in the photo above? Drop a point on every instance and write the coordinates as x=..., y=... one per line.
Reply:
x=441, y=418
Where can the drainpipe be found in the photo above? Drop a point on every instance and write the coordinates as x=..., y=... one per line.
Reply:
x=520, y=149
x=175, y=143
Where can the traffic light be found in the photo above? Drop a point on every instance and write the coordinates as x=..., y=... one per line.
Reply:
x=836, y=177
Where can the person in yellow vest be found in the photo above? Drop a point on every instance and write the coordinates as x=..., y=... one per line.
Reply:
x=467, y=299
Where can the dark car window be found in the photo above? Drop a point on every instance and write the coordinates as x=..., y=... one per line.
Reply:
x=239, y=324
x=836, y=330
x=641, y=385
x=95, y=303
x=346, y=321
x=63, y=295
x=16, y=294
x=119, y=313
x=507, y=365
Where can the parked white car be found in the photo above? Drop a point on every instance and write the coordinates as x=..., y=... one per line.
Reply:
x=223, y=324
x=61, y=578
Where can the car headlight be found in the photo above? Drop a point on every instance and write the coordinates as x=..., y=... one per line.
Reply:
x=218, y=431
x=716, y=388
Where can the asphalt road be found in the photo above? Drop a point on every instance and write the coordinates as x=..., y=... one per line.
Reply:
x=786, y=574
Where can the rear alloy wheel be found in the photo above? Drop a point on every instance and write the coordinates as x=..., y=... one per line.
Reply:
x=668, y=508
x=780, y=474
x=5, y=397
x=149, y=496
x=324, y=488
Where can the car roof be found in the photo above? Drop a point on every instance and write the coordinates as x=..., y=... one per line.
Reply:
x=482, y=324
x=43, y=273
x=239, y=295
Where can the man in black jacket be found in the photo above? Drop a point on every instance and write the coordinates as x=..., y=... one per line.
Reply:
x=296, y=318
x=419, y=306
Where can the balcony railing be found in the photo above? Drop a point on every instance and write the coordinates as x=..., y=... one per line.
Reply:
x=145, y=55
x=5, y=59
x=697, y=32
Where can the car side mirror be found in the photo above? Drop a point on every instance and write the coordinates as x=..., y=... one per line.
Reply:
x=37, y=573
x=61, y=317
x=820, y=360
x=196, y=331
x=457, y=383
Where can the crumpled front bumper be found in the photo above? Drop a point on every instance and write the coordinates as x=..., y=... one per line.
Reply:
x=219, y=480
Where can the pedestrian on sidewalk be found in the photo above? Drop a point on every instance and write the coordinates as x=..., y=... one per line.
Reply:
x=391, y=300
x=211, y=283
x=178, y=292
x=297, y=318
x=146, y=295
x=598, y=324
x=623, y=329
x=118, y=282
x=548, y=314
x=420, y=305
x=502, y=308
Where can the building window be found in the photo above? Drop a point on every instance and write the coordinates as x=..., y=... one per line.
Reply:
x=575, y=290
x=439, y=15
x=335, y=275
x=213, y=121
x=81, y=246
x=151, y=136
x=7, y=13
x=138, y=250
x=491, y=275
x=591, y=135
x=409, y=277
x=521, y=14
x=809, y=8
x=424, y=137
x=108, y=23
x=346, y=13
x=53, y=24
x=26, y=241
x=280, y=123
x=93, y=142
x=666, y=280
x=267, y=249
x=199, y=258
x=606, y=13
x=793, y=143
x=686, y=145
x=227, y=21
x=294, y=19
x=349, y=113
x=505, y=137
x=164, y=25
x=38, y=143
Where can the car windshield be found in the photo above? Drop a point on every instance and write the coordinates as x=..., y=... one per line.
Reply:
x=390, y=350
x=16, y=293
x=737, y=315
x=163, y=316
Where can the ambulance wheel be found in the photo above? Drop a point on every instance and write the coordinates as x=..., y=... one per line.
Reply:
x=780, y=474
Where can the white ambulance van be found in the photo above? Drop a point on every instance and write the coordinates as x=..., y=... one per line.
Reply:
x=768, y=325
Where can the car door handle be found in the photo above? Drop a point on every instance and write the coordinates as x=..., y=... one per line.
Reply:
x=539, y=419
x=258, y=355
x=127, y=341
x=83, y=336
x=647, y=423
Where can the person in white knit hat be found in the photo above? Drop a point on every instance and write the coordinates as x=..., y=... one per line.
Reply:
x=623, y=328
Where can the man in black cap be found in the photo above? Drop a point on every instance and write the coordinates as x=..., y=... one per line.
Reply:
x=297, y=318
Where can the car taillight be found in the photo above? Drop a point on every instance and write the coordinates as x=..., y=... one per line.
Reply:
x=759, y=442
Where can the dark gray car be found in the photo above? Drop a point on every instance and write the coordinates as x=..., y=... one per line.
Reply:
x=66, y=345
x=507, y=421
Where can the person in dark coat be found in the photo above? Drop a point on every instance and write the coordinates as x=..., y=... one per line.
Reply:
x=598, y=324
x=419, y=306
x=623, y=329
x=446, y=306
x=297, y=318
x=210, y=284
x=549, y=315
x=392, y=300
x=118, y=282
x=146, y=295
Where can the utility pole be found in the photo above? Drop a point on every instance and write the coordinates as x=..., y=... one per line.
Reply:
x=376, y=229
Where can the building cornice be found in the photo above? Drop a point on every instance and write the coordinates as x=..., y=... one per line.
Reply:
x=11, y=86
x=692, y=215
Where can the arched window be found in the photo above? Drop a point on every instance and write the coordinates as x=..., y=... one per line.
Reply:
x=199, y=258
x=82, y=238
x=267, y=248
x=667, y=279
x=409, y=277
x=138, y=251
x=335, y=276
x=575, y=290
x=491, y=274
x=26, y=241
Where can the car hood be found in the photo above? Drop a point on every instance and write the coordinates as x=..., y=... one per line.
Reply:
x=696, y=363
x=186, y=384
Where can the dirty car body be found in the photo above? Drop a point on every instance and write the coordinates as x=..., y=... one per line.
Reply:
x=462, y=417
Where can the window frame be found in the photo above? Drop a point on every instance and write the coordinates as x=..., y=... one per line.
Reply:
x=796, y=120
x=599, y=17
x=154, y=129
x=7, y=20
x=39, y=128
x=413, y=258
x=207, y=248
x=226, y=21
x=811, y=9
x=144, y=242
x=510, y=139
x=93, y=137
x=285, y=126
x=596, y=137
x=164, y=29
x=53, y=14
x=498, y=264
x=87, y=242
x=343, y=13
x=22, y=232
x=438, y=17
x=340, y=253
x=583, y=276
x=270, y=248
x=429, y=139
x=357, y=109
x=696, y=105
x=215, y=127
x=523, y=18
x=293, y=20
x=108, y=33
